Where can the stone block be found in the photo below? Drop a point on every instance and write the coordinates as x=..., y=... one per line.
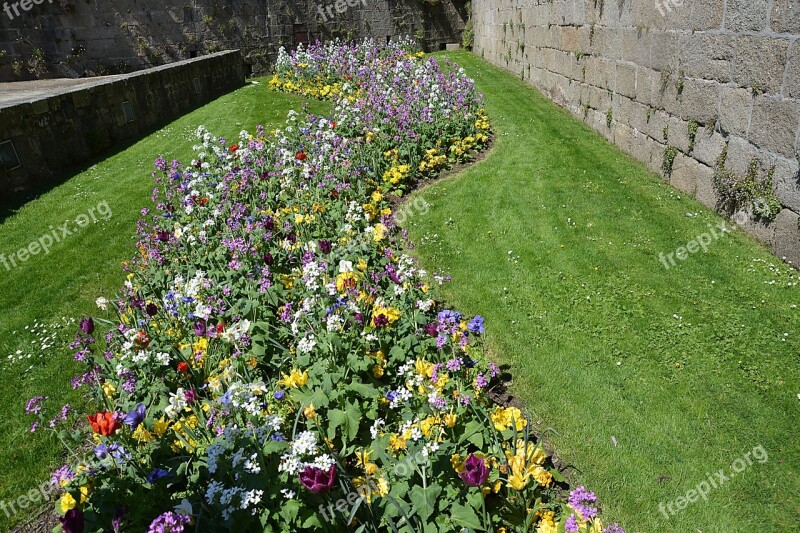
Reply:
x=698, y=101
x=679, y=134
x=785, y=16
x=775, y=124
x=664, y=51
x=706, y=192
x=740, y=154
x=786, y=182
x=451, y=47
x=647, y=81
x=735, y=109
x=684, y=174
x=625, y=79
x=708, y=56
x=786, y=239
x=791, y=86
x=760, y=62
x=746, y=15
x=636, y=46
x=707, y=15
x=708, y=145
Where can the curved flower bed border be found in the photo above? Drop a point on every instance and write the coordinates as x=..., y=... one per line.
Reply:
x=277, y=363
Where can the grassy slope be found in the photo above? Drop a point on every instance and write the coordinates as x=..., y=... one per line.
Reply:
x=555, y=239
x=65, y=283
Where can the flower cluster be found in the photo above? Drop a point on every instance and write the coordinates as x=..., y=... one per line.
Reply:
x=274, y=349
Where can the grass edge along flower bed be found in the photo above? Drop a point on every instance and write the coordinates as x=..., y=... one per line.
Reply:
x=274, y=353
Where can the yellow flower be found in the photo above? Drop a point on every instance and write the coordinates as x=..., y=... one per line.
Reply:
x=542, y=476
x=547, y=524
x=377, y=371
x=450, y=419
x=397, y=443
x=142, y=435
x=346, y=281
x=295, y=379
x=382, y=487
x=504, y=418
x=364, y=462
x=456, y=462
x=517, y=481
x=67, y=502
x=426, y=425
x=85, y=491
x=424, y=368
x=309, y=412
x=379, y=233
x=362, y=265
x=109, y=389
x=160, y=426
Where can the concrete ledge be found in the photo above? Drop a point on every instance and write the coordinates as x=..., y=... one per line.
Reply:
x=55, y=125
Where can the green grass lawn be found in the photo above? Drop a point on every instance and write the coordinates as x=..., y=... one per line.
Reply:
x=40, y=297
x=652, y=379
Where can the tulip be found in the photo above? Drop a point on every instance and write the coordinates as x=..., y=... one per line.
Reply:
x=87, y=325
x=475, y=471
x=135, y=417
x=72, y=521
x=104, y=423
x=317, y=480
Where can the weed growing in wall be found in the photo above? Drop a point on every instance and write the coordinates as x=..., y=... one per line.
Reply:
x=752, y=191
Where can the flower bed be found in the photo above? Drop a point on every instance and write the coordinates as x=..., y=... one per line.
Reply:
x=277, y=362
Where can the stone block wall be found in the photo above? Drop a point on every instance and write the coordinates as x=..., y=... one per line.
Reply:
x=675, y=83
x=60, y=128
x=74, y=38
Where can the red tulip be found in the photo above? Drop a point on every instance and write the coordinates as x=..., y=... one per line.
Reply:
x=183, y=367
x=301, y=156
x=104, y=423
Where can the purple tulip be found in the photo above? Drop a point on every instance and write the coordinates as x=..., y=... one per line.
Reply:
x=190, y=395
x=268, y=259
x=200, y=328
x=475, y=471
x=87, y=325
x=317, y=480
x=325, y=246
x=163, y=236
x=431, y=329
x=72, y=521
x=151, y=309
x=135, y=417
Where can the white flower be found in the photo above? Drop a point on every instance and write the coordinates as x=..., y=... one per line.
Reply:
x=306, y=344
x=345, y=266
x=235, y=332
x=177, y=403
x=102, y=303
x=184, y=508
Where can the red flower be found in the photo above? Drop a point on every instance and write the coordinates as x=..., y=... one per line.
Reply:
x=333, y=124
x=183, y=367
x=301, y=156
x=104, y=423
x=203, y=201
x=234, y=148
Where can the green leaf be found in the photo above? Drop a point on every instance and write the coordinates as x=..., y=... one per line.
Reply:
x=424, y=500
x=473, y=433
x=364, y=390
x=465, y=517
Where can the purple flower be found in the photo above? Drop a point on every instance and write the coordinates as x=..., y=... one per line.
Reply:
x=431, y=329
x=317, y=480
x=151, y=309
x=571, y=525
x=162, y=236
x=279, y=395
x=580, y=500
x=481, y=382
x=72, y=521
x=34, y=405
x=190, y=395
x=156, y=474
x=475, y=471
x=200, y=328
x=476, y=325
x=613, y=528
x=169, y=522
x=135, y=417
x=324, y=246
x=87, y=325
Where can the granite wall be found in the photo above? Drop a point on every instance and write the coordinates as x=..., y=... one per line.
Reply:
x=52, y=130
x=72, y=38
x=694, y=89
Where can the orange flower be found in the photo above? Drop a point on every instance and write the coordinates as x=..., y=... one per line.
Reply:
x=183, y=367
x=104, y=423
x=234, y=148
x=301, y=156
